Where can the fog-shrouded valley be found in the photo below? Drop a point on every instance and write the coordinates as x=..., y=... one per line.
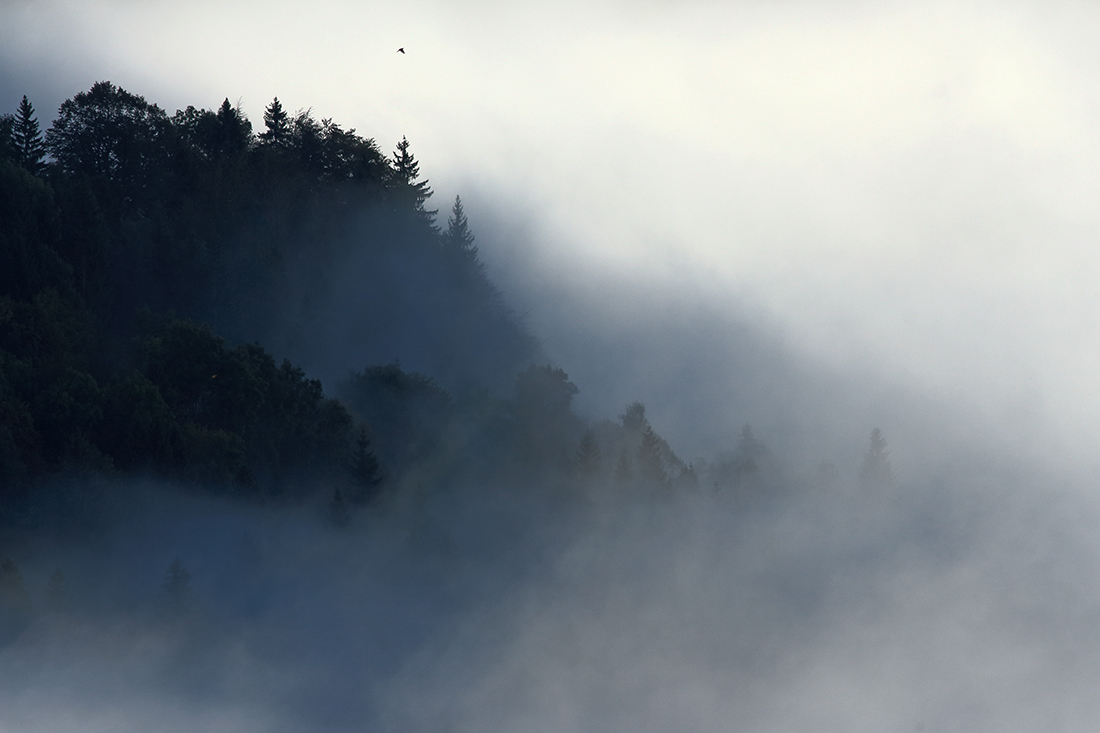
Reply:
x=297, y=436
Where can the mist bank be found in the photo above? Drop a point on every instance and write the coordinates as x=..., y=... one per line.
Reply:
x=958, y=604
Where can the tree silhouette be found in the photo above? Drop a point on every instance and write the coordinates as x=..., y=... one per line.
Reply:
x=29, y=144
x=589, y=461
x=410, y=191
x=650, y=466
x=107, y=131
x=458, y=238
x=177, y=585
x=633, y=418
x=875, y=471
x=233, y=135
x=365, y=473
x=277, y=122
x=338, y=510
x=688, y=479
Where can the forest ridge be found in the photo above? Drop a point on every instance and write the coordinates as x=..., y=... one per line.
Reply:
x=148, y=262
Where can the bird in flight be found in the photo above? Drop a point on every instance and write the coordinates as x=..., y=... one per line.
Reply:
x=401, y=50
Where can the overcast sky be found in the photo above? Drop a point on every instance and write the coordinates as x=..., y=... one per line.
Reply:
x=909, y=186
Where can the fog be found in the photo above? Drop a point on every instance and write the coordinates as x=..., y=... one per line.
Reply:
x=813, y=218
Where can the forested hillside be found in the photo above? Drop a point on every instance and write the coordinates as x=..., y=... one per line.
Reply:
x=171, y=285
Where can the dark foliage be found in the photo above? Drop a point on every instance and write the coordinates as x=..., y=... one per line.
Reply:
x=26, y=137
x=409, y=414
x=193, y=218
x=146, y=259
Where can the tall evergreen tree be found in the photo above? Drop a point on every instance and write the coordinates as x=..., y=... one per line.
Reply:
x=27, y=137
x=589, y=460
x=875, y=471
x=277, y=122
x=365, y=473
x=234, y=134
x=458, y=237
x=409, y=189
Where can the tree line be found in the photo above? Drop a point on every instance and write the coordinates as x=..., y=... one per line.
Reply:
x=144, y=259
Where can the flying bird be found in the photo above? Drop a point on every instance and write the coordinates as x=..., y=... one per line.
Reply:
x=401, y=50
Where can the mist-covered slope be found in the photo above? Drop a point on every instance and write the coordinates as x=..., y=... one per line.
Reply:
x=275, y=455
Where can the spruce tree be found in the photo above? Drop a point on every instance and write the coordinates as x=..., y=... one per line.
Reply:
x=365, y=473
x=589, y=461
x=234, y=134
x=458, y=237
x=410, y=191
x=277, y=122
x=875, y=472
x=30, y=148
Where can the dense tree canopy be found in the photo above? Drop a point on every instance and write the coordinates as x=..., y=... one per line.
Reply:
x=145, y=257
x=137, y=217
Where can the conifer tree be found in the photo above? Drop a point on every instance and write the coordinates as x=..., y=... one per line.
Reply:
x=589, y=461
x=410, y=190
x=633, y=418
x=277, y=122
x=650, y=464
x=234, y=135
x=688, y=478
x=875, y=472
x=458, y=237
x=339, y=511
x=29, y=144
x=365, y=473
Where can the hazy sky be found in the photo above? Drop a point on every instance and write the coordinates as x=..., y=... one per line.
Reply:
x=908, y=186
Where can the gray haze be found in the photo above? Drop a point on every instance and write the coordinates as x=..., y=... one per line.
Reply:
x=815, y=218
